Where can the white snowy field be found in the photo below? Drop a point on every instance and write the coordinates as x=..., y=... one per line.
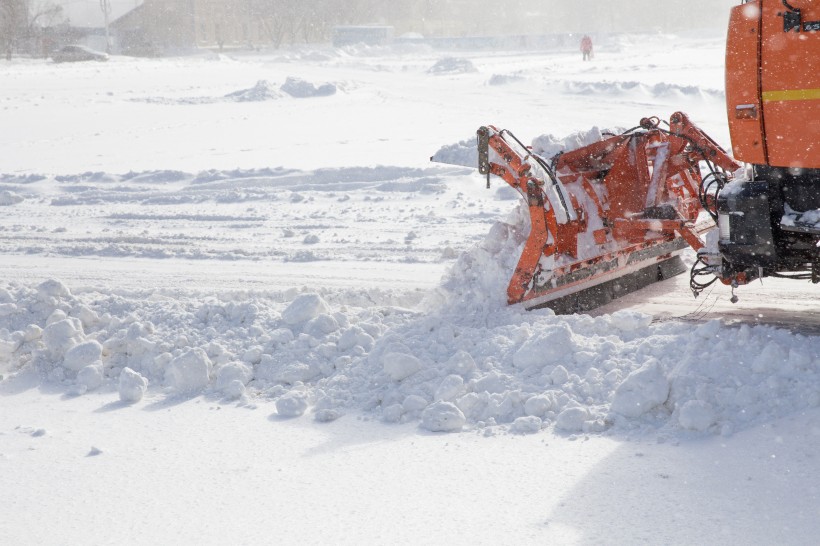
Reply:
x=238, y=304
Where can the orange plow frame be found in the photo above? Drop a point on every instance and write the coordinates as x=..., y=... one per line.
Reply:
x=624, y=204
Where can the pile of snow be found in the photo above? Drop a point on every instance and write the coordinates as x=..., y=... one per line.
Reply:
x=452, y=65
x=263, y=90
x=467, y=361
x=298, y=88
x=549, y=145
x=504, y=79
x=464, y=153
x=658, y=90
x=9, y=198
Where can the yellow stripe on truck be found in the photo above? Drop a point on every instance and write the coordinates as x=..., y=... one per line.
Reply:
x=791, y=94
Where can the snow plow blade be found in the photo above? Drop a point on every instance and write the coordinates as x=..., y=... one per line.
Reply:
x=608, y=218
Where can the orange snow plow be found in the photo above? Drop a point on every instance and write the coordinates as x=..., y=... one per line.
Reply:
x=614, y=216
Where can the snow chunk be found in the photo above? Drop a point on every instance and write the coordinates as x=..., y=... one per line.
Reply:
x=61, y=336
x=526, y=425
x=301, y=89
x=572, y=419
x=321, y=326
x=189, y=371
x=450, y=388
x=292, y=404
x=8, y=346
x=235, y=389
x=305, y=307
x=295, y=372
x=392, y=413
x=414, y=403
x=548, y=347
x=32, y=333
x=559, y=375
x=352, y=337
x=642, y=390
x=230, y=372
x=132, y=385
x=696, y=415
x=400, y=366
x=8, y=198
x=90, y=377
x=538, y=405
x=52, y=289
x=629, y=321
x=461, y=363
x=82, y=355
x=327, y=415
x=442, y=417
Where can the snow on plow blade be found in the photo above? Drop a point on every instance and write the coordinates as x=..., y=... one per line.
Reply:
x=611, y=217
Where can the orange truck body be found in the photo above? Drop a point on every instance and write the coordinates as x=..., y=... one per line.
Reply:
x=773, y=83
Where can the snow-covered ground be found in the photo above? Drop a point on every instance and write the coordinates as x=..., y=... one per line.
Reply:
x=238, y=304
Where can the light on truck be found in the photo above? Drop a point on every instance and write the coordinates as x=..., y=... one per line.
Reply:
x=723, y=227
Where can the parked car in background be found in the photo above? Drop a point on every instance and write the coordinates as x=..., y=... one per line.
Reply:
x=74, y=53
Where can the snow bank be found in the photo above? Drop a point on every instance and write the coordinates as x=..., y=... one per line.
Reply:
x=299, y=88
x=8, y=198
x=505, y=79
x=263, y=90
x=466, y=362
x=465, y=152
x=548, y=145
x=452, y=65
x=658, y=90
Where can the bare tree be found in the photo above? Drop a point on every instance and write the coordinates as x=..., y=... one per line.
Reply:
x=296, y=20
x=13, y=23
x=275, y=17
x=21, y=21
x=314, y=20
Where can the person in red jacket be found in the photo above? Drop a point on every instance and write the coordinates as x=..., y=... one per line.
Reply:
x=586, y=47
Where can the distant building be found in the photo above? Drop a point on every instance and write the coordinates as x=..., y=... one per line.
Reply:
x=155, y=27
x=177, y=26
x=131, y=34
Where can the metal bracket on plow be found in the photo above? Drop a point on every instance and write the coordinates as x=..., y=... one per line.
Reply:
x=483, y=135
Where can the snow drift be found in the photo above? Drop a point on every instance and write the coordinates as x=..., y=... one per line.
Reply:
x=466, y=362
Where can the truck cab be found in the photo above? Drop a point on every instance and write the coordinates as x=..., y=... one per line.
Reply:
x=770, y=222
